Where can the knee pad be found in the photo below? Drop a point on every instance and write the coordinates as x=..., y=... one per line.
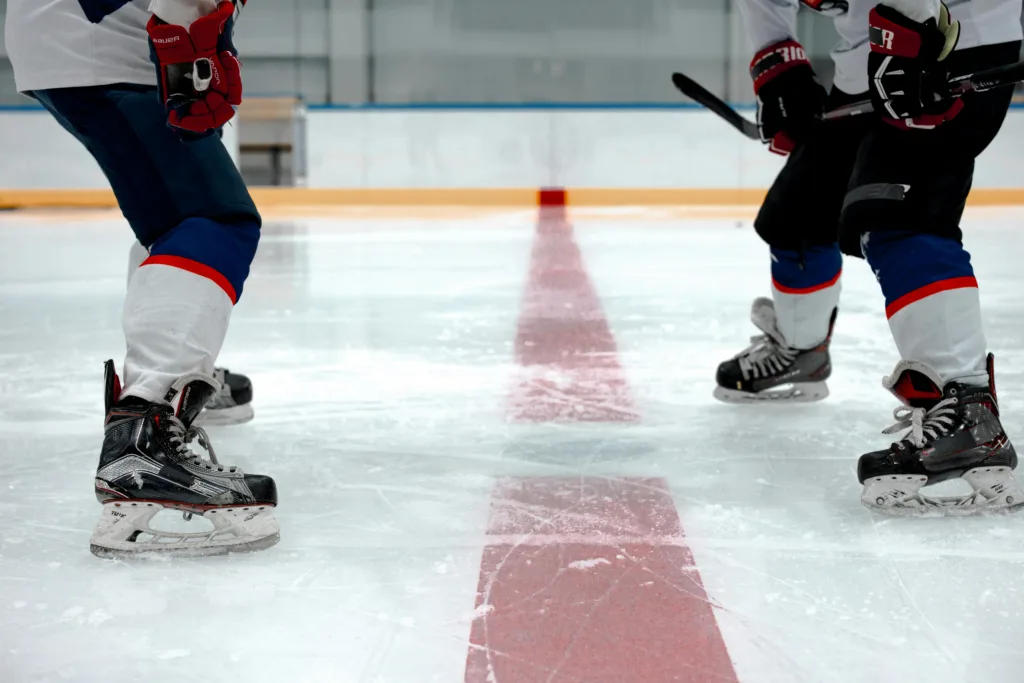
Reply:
x=219, y=250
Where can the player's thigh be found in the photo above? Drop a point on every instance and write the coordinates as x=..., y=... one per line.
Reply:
x=918, y=180
x=803, y=205
x=159, y=179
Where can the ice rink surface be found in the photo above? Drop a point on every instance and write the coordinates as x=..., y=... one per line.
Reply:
x=420, y=382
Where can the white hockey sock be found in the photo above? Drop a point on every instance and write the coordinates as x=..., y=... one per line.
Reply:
x=136, y=255
x=803, y=319
x=943, y=331
x=174, y=323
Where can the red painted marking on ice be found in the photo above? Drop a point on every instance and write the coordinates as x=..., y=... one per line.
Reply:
x=570, y=602
x=552, y=196
x=569, y=360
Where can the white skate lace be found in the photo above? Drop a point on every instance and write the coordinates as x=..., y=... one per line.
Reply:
x=924, y=425
x=181, y=436
x=764, y=357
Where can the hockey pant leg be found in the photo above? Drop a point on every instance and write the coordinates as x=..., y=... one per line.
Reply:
x=187, y=205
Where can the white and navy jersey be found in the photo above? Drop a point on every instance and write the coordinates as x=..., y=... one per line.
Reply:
x=71, y=43
x=982, y=22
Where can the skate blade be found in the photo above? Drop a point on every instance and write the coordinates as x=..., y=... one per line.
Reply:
x=995, y=491
x=124, y=530
x=803, y=392
x=222, y=417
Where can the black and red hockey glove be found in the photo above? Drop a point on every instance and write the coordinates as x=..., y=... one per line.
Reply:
x=789, y=97
x=198, y=72
x=908, y=76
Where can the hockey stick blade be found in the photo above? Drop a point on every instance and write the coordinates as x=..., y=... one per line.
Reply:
x=701, y=95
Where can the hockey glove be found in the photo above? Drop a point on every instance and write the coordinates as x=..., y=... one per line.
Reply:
x=908, y=76
x=789, y=97
x=198, y=73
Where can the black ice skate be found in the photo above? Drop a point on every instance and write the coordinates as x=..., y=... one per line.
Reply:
x=769, y=370
x=954, y=433
x=146, y=466
x=231, y=405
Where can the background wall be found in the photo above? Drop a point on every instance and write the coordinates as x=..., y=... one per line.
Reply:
x=474, y=54
x=401, y=51
x=685, y=148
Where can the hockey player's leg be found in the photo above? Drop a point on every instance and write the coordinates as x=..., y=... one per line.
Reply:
x=232, y=404
x=188, y=206
x=789, y=360
x=903, y=214
x=945, y=381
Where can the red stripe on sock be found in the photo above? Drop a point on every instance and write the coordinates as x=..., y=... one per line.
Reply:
x=926, y=291
x=193, y=267
x=806, y=290
x=569, y=362
x=591, y=580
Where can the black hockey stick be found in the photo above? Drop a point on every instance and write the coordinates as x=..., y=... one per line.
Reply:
x=1000, y=76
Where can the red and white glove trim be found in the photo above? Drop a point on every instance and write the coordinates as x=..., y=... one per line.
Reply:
x=776, y=59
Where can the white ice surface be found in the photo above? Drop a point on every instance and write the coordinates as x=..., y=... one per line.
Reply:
x=381, y=352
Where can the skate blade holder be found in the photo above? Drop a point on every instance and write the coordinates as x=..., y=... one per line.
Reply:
x=798, y=392
x=994, y=490
x=125, y=530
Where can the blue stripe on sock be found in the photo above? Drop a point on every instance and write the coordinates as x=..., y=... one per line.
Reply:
x=812, y=268
x=227, y=248
x=907, y=261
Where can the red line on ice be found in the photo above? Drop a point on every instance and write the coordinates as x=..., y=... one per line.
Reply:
x=569, y=364
x=599, y=587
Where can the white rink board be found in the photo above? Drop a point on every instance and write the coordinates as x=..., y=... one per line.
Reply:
x=39, y=154
x=435, y=148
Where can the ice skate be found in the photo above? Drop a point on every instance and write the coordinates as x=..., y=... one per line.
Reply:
x=231, y=405
x=954, y=432
x=769, y=370
x=147, y=466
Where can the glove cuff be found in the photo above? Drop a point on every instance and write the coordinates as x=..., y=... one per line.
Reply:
x=893, y=34
x=776, y=59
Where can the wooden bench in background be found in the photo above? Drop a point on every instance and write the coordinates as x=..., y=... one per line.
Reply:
x=267, y=126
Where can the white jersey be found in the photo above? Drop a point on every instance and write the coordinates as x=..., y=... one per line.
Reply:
x=982, y=22
x=72, y=43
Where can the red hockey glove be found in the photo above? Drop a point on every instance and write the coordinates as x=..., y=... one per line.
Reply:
x=789, y=97
x=909, y=81
x=199, y=75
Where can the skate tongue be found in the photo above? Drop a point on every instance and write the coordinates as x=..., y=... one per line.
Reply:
x=762, y=314
x=915, y=384
x=189, y=394
x=111, y=387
